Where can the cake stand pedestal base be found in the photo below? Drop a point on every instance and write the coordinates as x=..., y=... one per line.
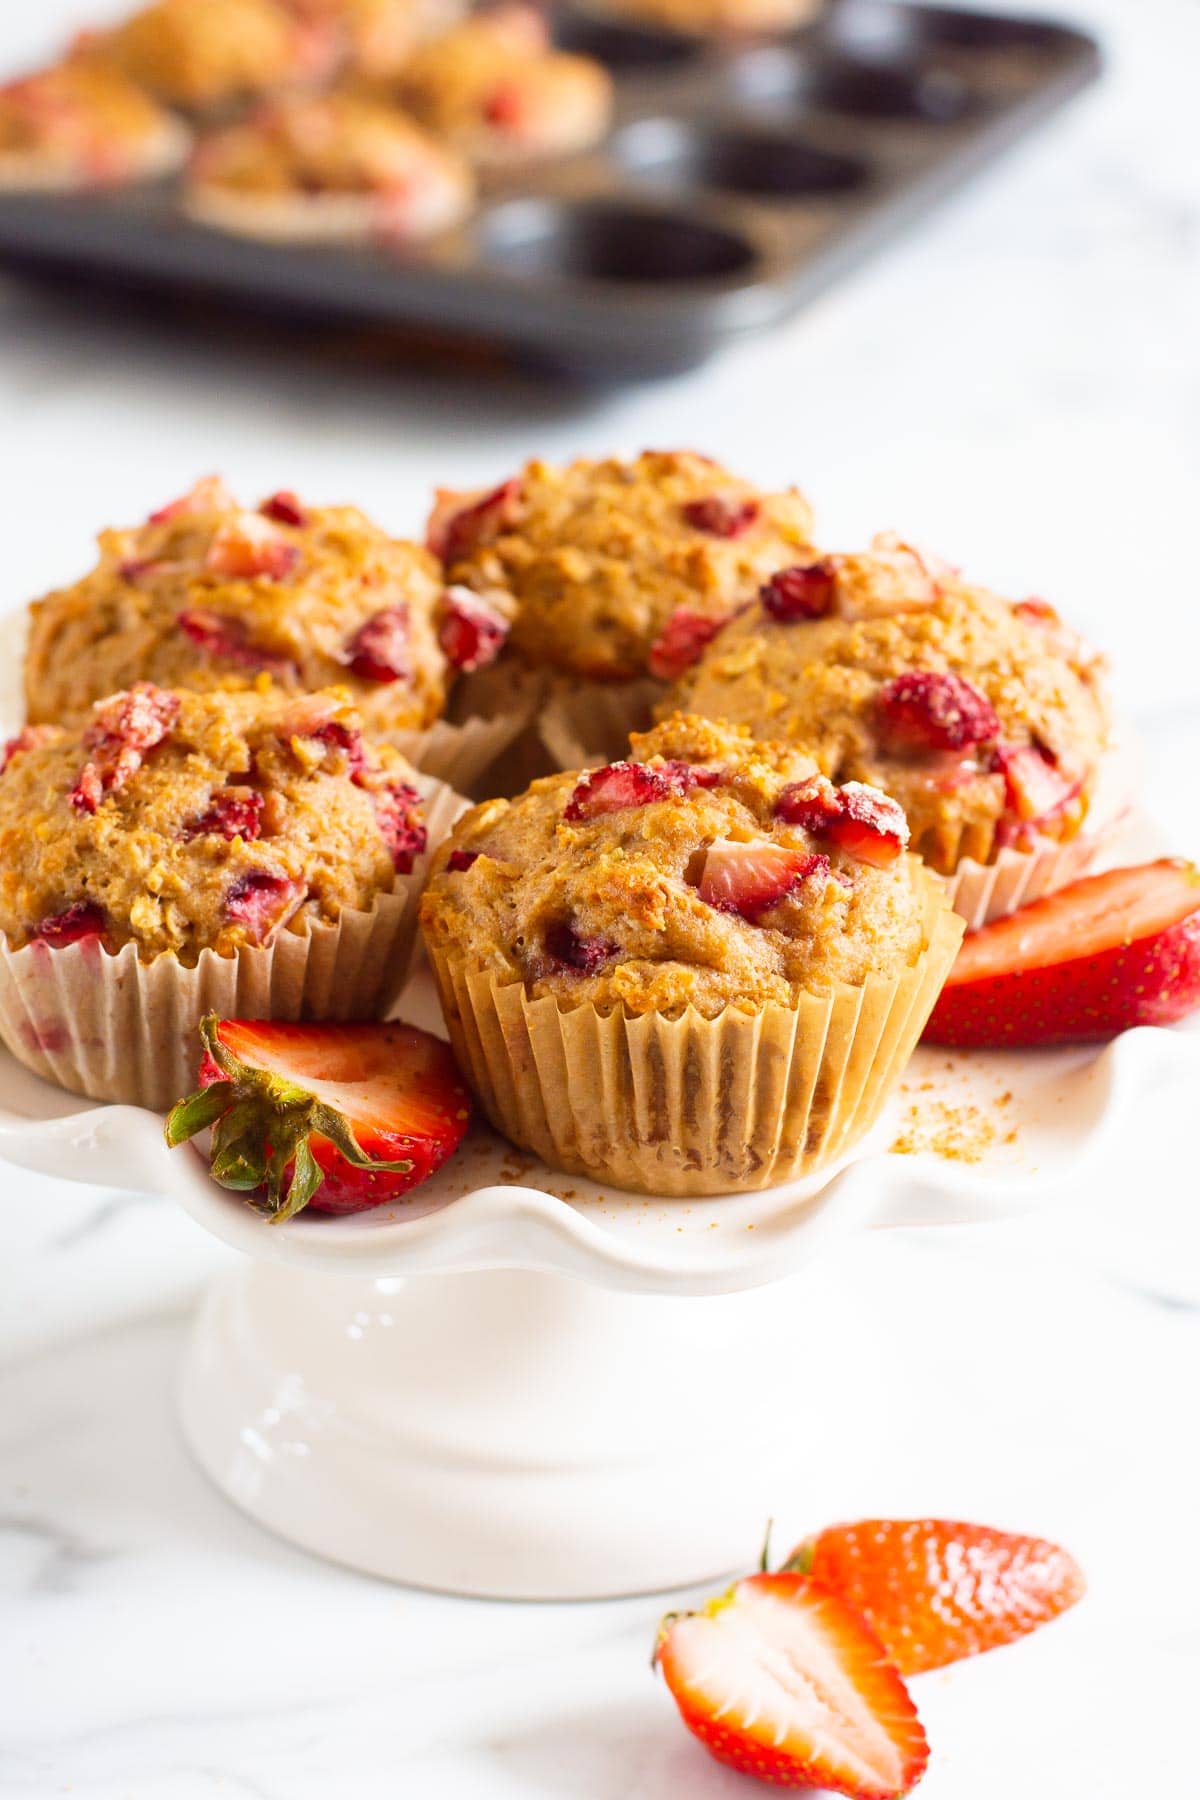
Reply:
x=524, y=1436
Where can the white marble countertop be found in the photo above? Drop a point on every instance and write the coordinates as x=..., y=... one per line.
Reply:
x=1018, y=383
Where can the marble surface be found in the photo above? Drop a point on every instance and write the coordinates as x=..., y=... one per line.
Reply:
x=1018, y=383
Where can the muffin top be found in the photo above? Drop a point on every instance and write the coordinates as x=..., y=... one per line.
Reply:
x=620, y=569
x=210, y=55
x=376, y=37
x=316, y=145
x=86, y=121
x=188, y=821
x=494, y=88
x=985, y=720
x=707, y=871
x=208, y=595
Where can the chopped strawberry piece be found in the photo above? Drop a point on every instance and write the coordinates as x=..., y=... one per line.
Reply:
x=505, y=107
x=926, y=710
x=1095, y=958
x=1035, y=611
x=455, y=531
x=781, y=1679
x=473, y=631
x=721, y=516
x=124, y=729
x=355, y=1115
x=805, y=591
x=586, y=955
x=82, y=920
x=623, y=784
x=681, y=642
x=401, y=822
x=936, y=1590
x=378, y=651
x=247, y=547
x=221, y=635
x=31, y=738
x=262, y=901
x=749, y=879
x=867, y=824
x=284, y=508
x=1035, y=788
x=235, y=812
x=137, y=570
x=209, y=494
x=460, y=860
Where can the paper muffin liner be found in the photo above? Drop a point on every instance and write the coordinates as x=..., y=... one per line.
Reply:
x=115, y=1028
x=981, y=890
x=41, y=171
x=693, y=1106
x=298, y=218
x=489, y=712
x=586, y=723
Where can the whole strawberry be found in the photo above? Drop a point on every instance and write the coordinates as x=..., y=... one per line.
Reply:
x=935, y=1590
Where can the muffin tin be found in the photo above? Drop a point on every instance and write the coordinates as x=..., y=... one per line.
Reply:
x=739, y=179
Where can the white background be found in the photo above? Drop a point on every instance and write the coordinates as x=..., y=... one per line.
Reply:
x=1017, y=384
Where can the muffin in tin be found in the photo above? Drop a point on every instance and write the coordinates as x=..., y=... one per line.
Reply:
x=697, y=970
x=210, y=57
x=495, y=89
x=987, y=721
x=328, y=167
x=619, y=571
x=186, y=850
x=80, y=124
x=725, y=17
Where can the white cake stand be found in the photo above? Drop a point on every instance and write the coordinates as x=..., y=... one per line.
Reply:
x=516, y=1384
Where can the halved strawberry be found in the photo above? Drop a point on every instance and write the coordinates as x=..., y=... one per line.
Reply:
x=337, y=1117
x=935, y=1590
x=473, y=630
x=750, y=878
x=1035, y=788
x=779, y=1679
x=868, y=824
x=929, y=709
x=1106, y=953
x=249, y=546
x=680, y=642
x=621, y=784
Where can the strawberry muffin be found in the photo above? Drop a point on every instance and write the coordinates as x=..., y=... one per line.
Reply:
x=81, y=125
x=375, y=38
x=208, y=57
x=209, y=595
x=180, y=846
x=495, y=89
x=328, y=167
x=619, y=571
x=987, y=721
x=695, y=971
x=723, y=16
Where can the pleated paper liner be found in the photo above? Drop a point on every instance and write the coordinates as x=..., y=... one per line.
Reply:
x=489, y=714
x=586, y=723
x=989, y=884
x=116, y=1028
x=693, y=1106
x=330, y=218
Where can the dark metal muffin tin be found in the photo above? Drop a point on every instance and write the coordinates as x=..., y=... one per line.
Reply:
x=738, y=180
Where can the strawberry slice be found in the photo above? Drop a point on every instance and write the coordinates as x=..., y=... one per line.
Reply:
x=925, y=709
x=379, y=649
x=1104, y=954
x=284, y=508
x=750, y=878
x=473, y=631
x=1035, y=788
x=30, y=737
x=337, y=1117
x=249, y=546
x=867, y=824
x=622, y=784
x=262, y=901
x=124, y=729
x=460, y=522
x=720, y=515
x=209, y=494
x=681, y=641
x=935, y=1590
x=398, y=810
x=221, y=635
x=71, y=926
x=1035, y=611
x=234, y=812
x=779, y=1679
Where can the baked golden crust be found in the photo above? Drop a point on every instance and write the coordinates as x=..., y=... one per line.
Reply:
x=315, y=152
x=494, y=88
x=609, y=908
x=200, y=821
x=81, y=123
x=601, y=555
x=211, y=55
x=208, y=595
x=376, y=37
x=828, y=683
